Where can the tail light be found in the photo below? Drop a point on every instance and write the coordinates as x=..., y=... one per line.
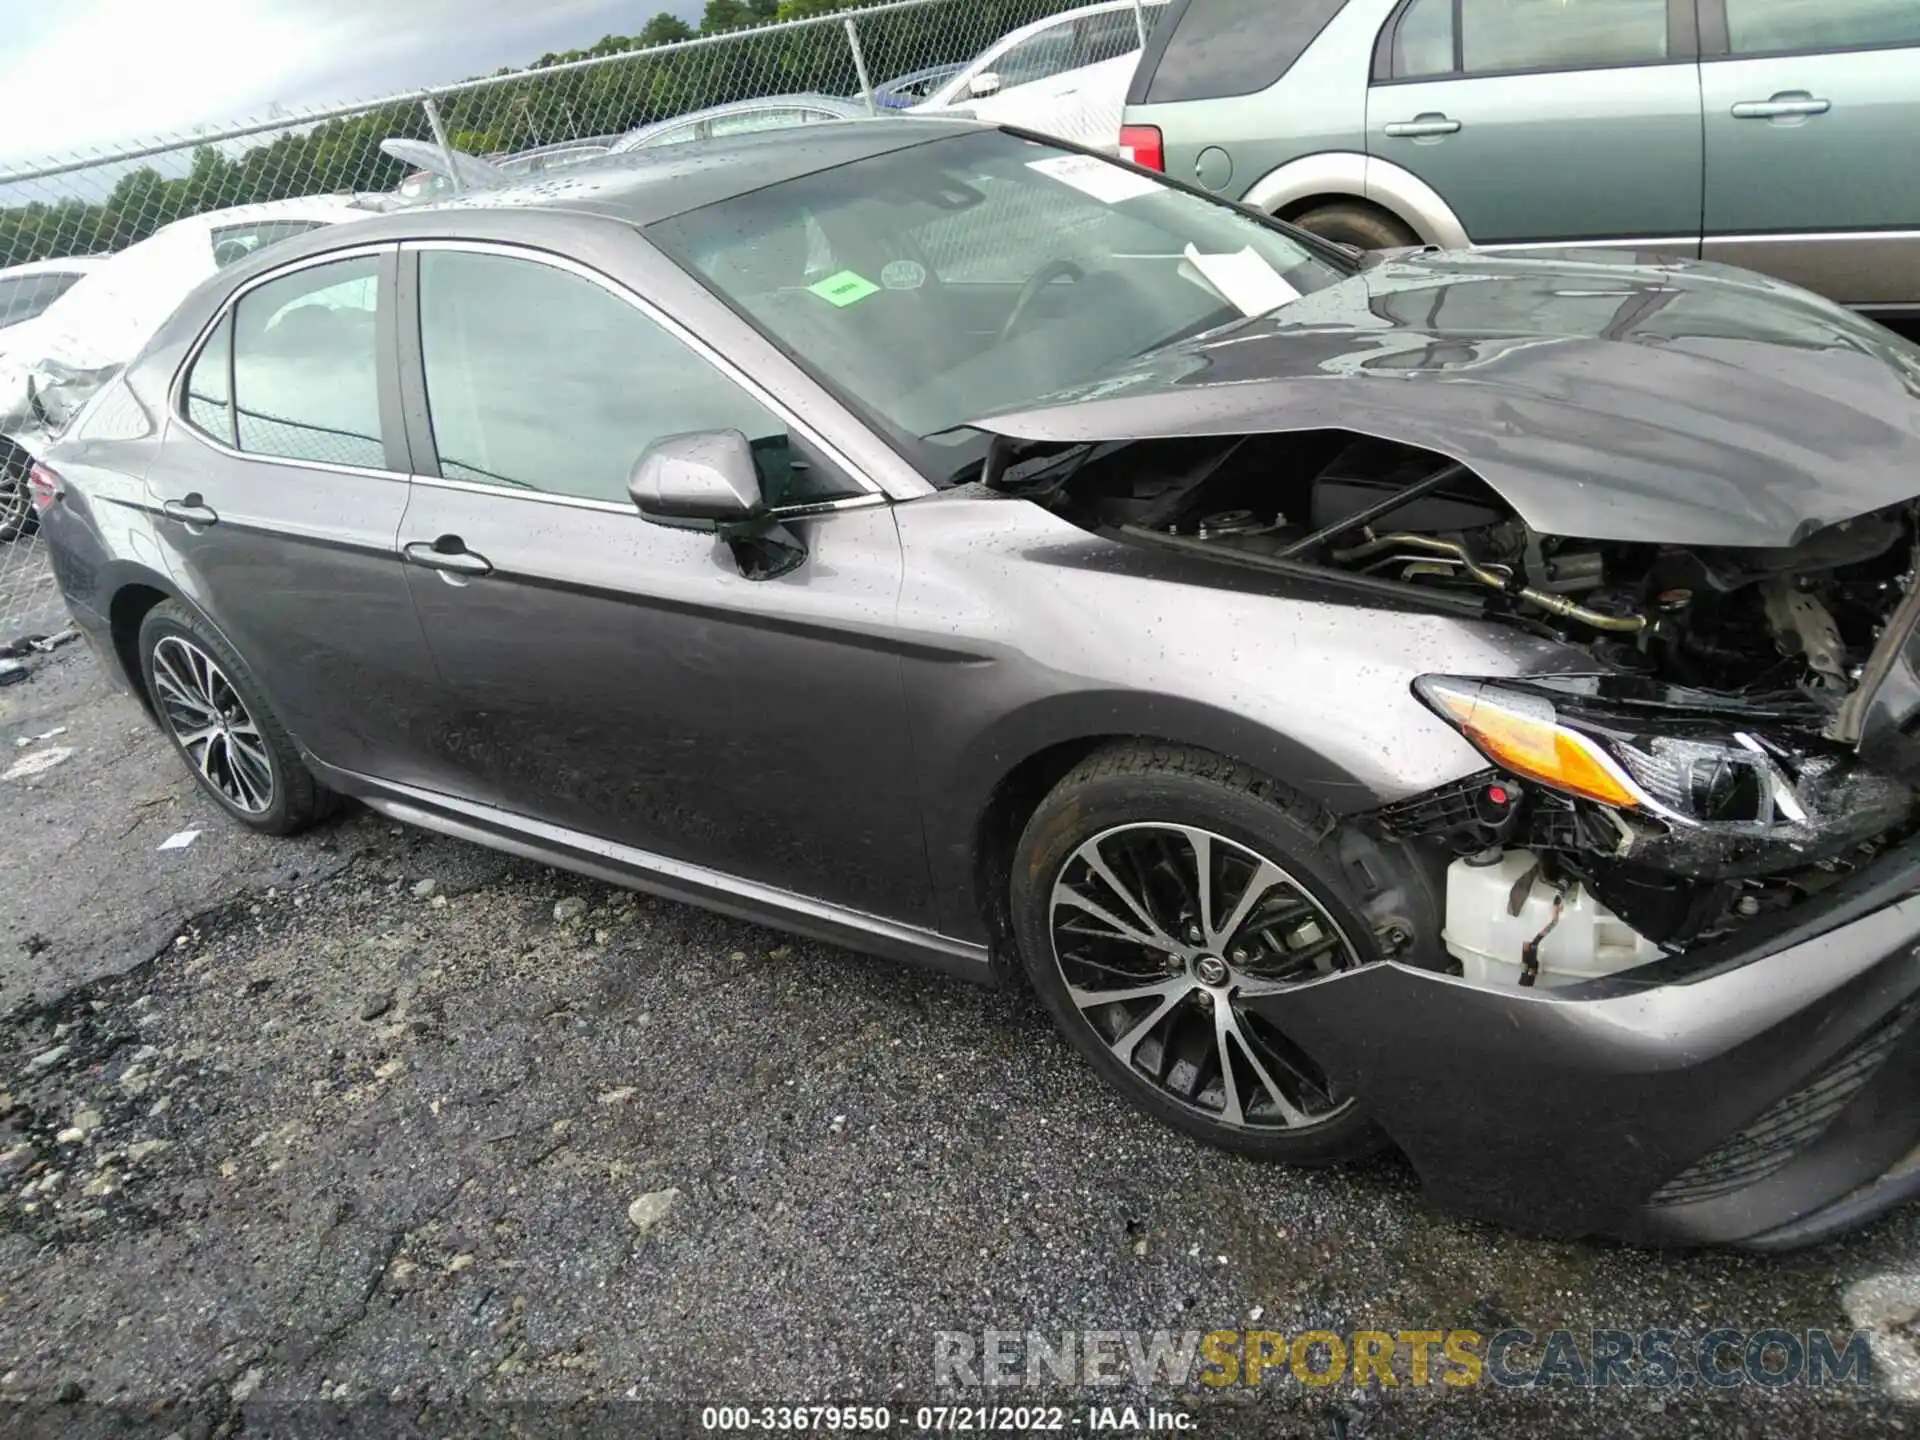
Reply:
x=1144, y=146
x=43, y=487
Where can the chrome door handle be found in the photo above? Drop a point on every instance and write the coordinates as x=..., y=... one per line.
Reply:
x=448, y=556
x=1780, y=107
x=1422, y=127
x=190, y=511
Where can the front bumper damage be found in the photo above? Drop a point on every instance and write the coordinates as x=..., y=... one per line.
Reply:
x=1759, y=1092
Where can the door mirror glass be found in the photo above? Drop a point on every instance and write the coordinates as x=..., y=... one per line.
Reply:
x=984, y=84
x=704, y=481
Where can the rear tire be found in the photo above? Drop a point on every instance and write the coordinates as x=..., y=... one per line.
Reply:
x=1355, y=223
x=211, y=707
x=1331, y=898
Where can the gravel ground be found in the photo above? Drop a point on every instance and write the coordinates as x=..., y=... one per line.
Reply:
x=349, y=1131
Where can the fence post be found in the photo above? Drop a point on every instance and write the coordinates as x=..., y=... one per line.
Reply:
x=1140, y=20
x=860, y=64
x=446, y=150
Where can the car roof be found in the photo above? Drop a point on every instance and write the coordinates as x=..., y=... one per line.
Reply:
x=645, y=186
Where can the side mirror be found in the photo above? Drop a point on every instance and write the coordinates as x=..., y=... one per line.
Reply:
x=703, y=481
x=984, y=84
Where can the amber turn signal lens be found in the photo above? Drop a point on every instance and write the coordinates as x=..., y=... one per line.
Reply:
x=1519, y=734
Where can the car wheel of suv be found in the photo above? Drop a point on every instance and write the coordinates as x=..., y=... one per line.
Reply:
x=16, y=501
x=208, y=702
x=1364, y=226
x=1156, y=890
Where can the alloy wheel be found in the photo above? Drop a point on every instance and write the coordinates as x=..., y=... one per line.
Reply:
x=212, y=725
x=1162, y=933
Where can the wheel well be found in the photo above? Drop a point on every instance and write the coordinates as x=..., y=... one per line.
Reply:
x=1297, y=208
x=130, y=606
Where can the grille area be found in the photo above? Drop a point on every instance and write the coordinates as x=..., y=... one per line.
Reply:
x=1795, y=1122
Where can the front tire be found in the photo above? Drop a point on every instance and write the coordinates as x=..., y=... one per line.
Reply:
x=211, y=707
x=1157, y=889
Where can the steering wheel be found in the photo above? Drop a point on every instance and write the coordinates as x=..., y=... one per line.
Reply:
x=1029, y=292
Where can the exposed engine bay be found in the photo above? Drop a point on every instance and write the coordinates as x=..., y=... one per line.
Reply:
x=1706, y=769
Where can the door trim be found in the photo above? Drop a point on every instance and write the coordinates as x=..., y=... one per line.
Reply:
x=425, y=455
x=677, y=880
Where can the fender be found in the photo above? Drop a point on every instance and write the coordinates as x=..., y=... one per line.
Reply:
x=1363, y=177
x=959, y=800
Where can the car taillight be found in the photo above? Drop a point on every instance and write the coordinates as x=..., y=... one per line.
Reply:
x=43, y=487
x=1144, y=146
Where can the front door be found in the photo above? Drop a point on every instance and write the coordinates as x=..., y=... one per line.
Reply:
x=613, y=677
x=1812, y=121
x=281, y=492
x=1546, y=120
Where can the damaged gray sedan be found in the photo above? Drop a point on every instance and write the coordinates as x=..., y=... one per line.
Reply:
x=1457, y=702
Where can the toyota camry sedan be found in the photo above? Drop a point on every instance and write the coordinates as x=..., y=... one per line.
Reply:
x=1463, y=703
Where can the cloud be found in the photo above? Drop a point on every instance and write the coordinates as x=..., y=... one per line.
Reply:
x=89, y=75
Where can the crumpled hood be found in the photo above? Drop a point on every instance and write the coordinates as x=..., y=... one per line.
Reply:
x=1605, y=395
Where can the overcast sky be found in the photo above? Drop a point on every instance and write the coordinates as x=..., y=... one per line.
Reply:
x=81, y=75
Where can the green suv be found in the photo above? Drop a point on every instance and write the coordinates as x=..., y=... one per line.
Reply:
x=1779, y=135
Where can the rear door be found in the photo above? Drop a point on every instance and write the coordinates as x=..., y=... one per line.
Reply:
x=1813, y=143
x=624, y=680
x=281, y=488
x=1547, y=120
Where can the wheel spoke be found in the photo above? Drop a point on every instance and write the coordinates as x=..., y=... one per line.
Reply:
x=1264, y=878
x=1064, y=894
x=1096, y=862
x=1202, y=844
x=1228, y=1029
x=1129, y=1042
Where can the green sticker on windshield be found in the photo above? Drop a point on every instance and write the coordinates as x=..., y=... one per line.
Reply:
x=846, y=288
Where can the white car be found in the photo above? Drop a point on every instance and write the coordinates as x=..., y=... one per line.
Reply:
x=27, y=290
x=1066, y=75
x=52, y=364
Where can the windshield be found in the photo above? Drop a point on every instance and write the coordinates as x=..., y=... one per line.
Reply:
x=942, y=283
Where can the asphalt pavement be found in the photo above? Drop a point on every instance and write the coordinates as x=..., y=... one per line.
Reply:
x=374, y=1131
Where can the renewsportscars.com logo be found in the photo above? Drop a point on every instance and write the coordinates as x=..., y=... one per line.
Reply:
x=1721, y=1358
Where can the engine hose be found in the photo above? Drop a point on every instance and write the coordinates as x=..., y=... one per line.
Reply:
x=1552, y=604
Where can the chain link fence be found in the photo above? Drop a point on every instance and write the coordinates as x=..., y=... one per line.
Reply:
x=195, y=202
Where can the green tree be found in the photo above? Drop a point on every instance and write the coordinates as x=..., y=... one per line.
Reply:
x=664, y=29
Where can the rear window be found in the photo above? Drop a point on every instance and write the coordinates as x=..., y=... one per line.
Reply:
x=24, y=297
x=1216, y=48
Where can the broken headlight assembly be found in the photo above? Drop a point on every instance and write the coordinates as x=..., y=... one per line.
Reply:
x=1696, y=789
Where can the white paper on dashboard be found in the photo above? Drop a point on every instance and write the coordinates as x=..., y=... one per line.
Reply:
x=1248, y=281
x=1110, y=184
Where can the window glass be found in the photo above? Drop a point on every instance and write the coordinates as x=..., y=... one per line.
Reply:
x=750, y=121
x=306, y=370
x=1038, y=57
x=1236, y=47
x=679, y=135
x=1109, y=36
x=966, y=276
x=1757, y=27
x=1423, y=43
x=236, y=242
x=26, y=296
x=209, y=391
x=1499, y=35
x=539, y=379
